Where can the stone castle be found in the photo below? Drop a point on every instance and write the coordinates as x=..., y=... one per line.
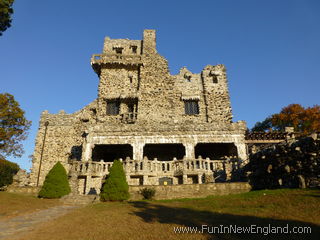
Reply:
x=166, y=129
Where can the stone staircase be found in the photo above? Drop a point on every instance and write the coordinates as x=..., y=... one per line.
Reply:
x=75, y=199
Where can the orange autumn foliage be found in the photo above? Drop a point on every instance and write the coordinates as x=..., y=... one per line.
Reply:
x=305, y=120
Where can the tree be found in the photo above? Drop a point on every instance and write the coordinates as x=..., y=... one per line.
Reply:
x=116, y=187
x=305, y=120
x=13, y=126
x=290, y=116
x=262, y=126
x=7, y=171
x=56, y=183
x=6, y=11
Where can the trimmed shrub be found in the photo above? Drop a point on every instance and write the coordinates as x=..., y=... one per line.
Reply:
x=56, y=183
x=7, y=171
x=116, y=187
x=148, y=193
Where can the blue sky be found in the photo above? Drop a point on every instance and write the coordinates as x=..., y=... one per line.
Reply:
x=271, y=50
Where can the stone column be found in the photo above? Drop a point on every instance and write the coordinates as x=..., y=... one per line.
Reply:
x=128, y=179
x=138, y=151
x=189, y=150
x=184, y=179
x=145, y=180
x=199, y=178
x=87, y=152
x=242, y=151
x=88, y=184
x=74, y=183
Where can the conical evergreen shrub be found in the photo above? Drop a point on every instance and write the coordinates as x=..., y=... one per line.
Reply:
x=56, y=183
x=116, y=187
x=7, y=171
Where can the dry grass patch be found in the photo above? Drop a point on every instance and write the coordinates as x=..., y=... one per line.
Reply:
x=12, y=204
x=157, y=219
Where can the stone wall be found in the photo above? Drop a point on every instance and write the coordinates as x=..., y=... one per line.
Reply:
x=63, y=140
x=24, y=190
x=191, y=190
x=292, y=163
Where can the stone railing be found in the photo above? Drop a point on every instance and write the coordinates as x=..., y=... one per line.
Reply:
x=174, y=167
x=130, y=117
x=90, y=167
x=116, y=58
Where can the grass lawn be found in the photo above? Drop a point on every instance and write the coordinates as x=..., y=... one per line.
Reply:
x=157, y=219
x=12, y=204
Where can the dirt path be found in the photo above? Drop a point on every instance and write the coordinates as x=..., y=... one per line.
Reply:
x=28, y=222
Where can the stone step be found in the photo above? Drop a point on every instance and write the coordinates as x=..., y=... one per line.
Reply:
x=80, y=199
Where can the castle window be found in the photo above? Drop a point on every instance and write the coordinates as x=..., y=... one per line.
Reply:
x=187, y=76
x=215, y=79
x=214, y=76
x=134, y=49
x=191, y=107
x=113, y=107
x=118, y=50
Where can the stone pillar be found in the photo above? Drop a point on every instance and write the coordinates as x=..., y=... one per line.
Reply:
x=145, y=180
x=128, y=179
x=189, y=150
x=184, y=179
x=228, y=170
x=87, y=152
x=73, y=182
x=138, y=151
x=156, y=167
x=88, y=184
x=209, y=178
x=242, y=151
x=199, y=178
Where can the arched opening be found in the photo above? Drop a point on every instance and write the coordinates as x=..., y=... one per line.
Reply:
x=216, y=150
x=110, y=152
x=164, y=152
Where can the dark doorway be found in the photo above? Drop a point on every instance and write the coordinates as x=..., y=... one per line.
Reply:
x=165, y=181
x=110, y=152
x=76, y=153
x=164, y=152
x=215, y=150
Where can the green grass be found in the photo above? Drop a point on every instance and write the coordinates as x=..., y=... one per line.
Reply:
x=156, y=219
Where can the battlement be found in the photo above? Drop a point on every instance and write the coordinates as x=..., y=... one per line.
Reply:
x=131, y=47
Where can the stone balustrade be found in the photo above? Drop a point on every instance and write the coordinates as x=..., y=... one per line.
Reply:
x=153, y=167
x=129, y=117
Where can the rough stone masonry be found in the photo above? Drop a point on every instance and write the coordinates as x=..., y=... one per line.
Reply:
x=166, y=129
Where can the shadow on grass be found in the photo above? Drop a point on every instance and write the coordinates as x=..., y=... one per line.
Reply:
x=313, y=195
x=151, y=212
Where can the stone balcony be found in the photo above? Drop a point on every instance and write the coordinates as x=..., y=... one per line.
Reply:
x=130, y=117
x=99, y=59
x=154, y=167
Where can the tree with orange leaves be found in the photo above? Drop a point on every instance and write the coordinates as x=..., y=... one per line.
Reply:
x=305, y=120
x=13, y=126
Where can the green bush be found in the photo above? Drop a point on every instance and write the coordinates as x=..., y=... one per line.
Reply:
x=56, y=183
x=7, y=171
x=148, y=193
x=116, y=187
